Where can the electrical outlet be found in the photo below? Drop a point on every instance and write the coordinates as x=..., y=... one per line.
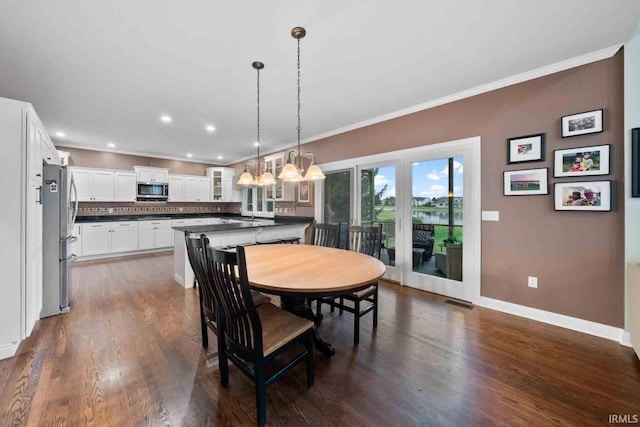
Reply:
x=490, y=215
x=181, y=209
x=110, y=210
x=533, y=282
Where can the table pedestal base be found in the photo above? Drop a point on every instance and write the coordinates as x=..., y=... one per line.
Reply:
x=301, y=307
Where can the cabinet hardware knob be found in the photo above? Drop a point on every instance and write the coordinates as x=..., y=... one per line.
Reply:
x=38, y=175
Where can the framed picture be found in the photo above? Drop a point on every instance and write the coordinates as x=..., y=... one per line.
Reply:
x=526, y=182
x=582, y=123
x=582, y=161
x=592, y=196
x=635, y=162
x=528, y=148
x=305, y=193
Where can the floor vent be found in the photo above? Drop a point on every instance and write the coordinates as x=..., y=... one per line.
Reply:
x=459, y=304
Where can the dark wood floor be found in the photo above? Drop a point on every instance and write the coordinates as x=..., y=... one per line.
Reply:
x=129, y=353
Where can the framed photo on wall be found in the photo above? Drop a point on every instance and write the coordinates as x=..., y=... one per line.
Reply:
x=528, y=148
x=582, y=161
x=594, y=196
x=526, y=182
x=582, y=123
x=304, y=193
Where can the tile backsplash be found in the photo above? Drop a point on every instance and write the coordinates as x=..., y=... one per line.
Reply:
x=102, y=209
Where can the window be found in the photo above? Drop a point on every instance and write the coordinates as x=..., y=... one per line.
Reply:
x=254, y=202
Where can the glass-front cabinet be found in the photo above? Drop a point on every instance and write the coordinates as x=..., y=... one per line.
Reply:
x=216, y=185
x=282, y=191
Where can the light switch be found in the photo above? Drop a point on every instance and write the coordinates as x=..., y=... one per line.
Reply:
x=491, y=215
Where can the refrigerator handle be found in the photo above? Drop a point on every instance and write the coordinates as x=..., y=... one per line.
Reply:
x=75, y=200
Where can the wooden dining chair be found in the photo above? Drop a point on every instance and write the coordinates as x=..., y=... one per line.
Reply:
x=327, y=235
x=254, y=336
x=208, y=305
x=366, y=240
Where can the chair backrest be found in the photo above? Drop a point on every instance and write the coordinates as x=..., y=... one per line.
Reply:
x=327, y=235
x=365, y=239
x=196, y=256
x=423, y=233
x=242, y=326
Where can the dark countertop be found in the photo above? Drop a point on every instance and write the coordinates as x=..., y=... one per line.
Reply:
x=115, y=218
x=213, y=228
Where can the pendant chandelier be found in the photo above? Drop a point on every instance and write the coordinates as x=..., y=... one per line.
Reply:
x=294, y=171
x=260, y=178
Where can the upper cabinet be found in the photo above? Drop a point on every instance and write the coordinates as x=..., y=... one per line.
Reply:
x=94, y=185
x=188, y=188
x=177, y=188
x=150, y=174
x=104, y=185
x=126, y=186
x=282, y=191
x=223, y=185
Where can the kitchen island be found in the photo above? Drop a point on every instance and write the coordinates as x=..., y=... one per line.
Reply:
x=231, y=234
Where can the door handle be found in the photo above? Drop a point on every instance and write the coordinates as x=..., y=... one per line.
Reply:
x=39, y=190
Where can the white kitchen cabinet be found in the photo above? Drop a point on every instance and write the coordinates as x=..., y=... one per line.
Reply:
x=177, y=188
x=154, y=234
x=124, y=237
x=223, y=186
x=82, y=179
x=281, y=191
x=95, y=185
x=150, y=174
x=126, y=186
x=96, y=238
x=103, y=185
x=196, y=189
x=34, y=147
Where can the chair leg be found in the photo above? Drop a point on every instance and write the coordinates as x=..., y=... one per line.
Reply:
x=341, y=304
x=375, y=307
x=223, y=361
x=310, y=358
x=261, y=404
x=356, y=323
x=195, y=282
x=203, y=323
x=319, y=308
x=333, y=305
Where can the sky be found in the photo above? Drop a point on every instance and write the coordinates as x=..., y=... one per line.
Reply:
x=430, y=178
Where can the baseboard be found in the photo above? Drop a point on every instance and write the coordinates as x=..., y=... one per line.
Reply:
x=567, y=322
x=626, y=339
x=122, y=254
x=8, y=350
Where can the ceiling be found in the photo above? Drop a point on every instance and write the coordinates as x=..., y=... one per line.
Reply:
x=106, y=71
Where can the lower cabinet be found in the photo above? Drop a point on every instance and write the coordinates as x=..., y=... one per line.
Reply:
x=124, y=237
x=154, y=234
x=96, y=239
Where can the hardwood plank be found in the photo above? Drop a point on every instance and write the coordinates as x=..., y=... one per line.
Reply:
x=130, y=353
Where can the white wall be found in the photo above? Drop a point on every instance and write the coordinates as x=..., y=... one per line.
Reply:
x=631, y=120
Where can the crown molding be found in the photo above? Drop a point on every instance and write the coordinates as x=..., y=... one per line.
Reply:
x=62, y=145
x=557, y=67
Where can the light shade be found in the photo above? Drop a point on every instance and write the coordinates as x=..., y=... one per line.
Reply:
x=267, y=179
x=290, y=173
x=314, y=173
x=245, y=179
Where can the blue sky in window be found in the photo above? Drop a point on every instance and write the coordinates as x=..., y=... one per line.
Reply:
x=430, y=178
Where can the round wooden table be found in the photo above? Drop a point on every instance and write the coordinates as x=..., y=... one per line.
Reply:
x=300, y=273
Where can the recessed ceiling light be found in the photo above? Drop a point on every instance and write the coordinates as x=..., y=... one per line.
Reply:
x=111, y=145
x=61, y=134
x=255, y=144
x=219, y=157
x=210, y=128
x=166, y=119
x=189, y=155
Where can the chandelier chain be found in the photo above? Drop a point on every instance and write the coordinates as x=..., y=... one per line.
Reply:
x=299, y=121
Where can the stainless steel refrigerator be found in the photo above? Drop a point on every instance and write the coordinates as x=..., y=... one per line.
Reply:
x=60, y=206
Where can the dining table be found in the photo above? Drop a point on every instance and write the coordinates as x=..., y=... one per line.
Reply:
x=299, y=274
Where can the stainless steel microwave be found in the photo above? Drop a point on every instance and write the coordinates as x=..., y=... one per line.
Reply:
x=153, y=192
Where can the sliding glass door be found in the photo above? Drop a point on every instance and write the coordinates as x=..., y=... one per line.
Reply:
x=337, y=200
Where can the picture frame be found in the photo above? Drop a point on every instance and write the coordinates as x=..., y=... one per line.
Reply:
x=526, y=182
x=304, y=193
x=527, y=148
x=588, y=196
x=582, y=123
x=635, y=162
x=582, y=161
